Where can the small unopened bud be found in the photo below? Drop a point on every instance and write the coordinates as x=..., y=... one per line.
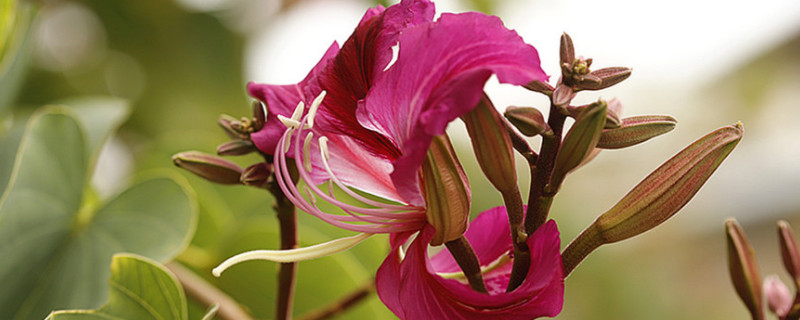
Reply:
x=259, y=115
x=779, y=299
x=612, y=115
x=635, y=130
x=541, y=87
x=604, y=78
x=236, y=148
x=231, y=126
x=789, y=251
x=446, y=190
x=212, y=168
x=566, y=50
x=743, y=269
x=492, y=145
x=667, y=189
x=563, y=95
x=257, y=175
x=528, y=120
x=579, y=141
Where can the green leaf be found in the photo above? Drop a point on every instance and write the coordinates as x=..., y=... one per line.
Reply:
x=15, y=48
x=141, y=289
x=56, y=241
x=99, y=116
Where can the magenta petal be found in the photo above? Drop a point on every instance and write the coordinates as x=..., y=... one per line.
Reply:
x=282, y=100
x=412, y=290
x=438, y=76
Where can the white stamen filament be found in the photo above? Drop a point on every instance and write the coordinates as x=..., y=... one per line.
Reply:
x=312, y=111
x=288, y=139
x=293, y=255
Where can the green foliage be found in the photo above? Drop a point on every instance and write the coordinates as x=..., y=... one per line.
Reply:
x=15, y=27
x=56, y=237
x=140, y=289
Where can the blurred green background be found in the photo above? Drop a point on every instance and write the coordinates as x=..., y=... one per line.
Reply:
x=182, y=63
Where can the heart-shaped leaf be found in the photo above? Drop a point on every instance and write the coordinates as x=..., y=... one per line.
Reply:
x=57, y=241
x=15, y=31
x=141, y=289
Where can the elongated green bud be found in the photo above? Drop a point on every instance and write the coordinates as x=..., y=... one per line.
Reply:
x=658, y=197
x=446, y=190
x=670, y=187
x=635, y=130
x=744, y=269
x=492, y=145
x=212, y=168
x=579, y=142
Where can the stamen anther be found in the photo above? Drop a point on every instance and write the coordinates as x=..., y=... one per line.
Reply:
x=312, y=111
x=288, y=122
x=323, y=147
x=298, y=112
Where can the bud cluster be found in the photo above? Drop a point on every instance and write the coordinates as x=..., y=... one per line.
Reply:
x=216, y=169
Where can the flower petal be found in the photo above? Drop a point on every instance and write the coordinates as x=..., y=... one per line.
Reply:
x=282, y=100
x=411, y=288
x=439, y=75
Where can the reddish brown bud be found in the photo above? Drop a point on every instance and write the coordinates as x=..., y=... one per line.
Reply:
x=541, y=87
x=528, y=120
x=789, y=251
x=607, y=77
x=212, y=168
x=257, y=175
x=236, y=148
x=259, y=115
x=635, y=130
x=744, y=269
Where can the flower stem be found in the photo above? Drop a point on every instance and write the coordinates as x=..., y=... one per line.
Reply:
x=541, y=194
x=337, y=307
x=579, y=248
x=516, y=215
x=287, y=272
x=465, y=257
x=201, y=291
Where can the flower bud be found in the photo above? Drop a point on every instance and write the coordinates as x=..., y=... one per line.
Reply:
x=665, y=191
x=563, y=95
x=541, y=87
x=236, y=148
x=579, y=141
x=257, y=175
x=231, y=126
x=492, y=145
x=446, y=190
x=528, y=120
x=779, y=299
x=612, y=113
x=259, y=115
x=744, y=269
x=212, y=168
x=604, y=78
x=789, y=252
x=566, y=50
x=635, y=130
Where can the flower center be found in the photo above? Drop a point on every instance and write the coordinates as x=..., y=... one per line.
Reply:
x=367, y=215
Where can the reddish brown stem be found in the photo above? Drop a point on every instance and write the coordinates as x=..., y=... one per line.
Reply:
x=466, y=259
x=541, y=193
x=287, y=272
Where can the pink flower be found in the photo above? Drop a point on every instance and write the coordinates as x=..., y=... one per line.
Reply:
x=414, y=286
x=372, y=123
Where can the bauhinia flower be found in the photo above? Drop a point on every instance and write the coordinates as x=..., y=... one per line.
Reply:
x=370, y=122
x=415, y=286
